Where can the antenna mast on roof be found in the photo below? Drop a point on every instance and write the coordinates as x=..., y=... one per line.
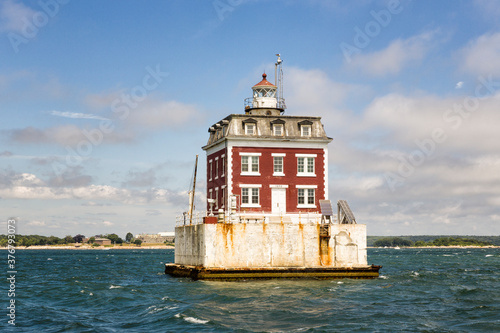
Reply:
x=278, y=82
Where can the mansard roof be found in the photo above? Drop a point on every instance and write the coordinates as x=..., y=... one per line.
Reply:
x=233, y=127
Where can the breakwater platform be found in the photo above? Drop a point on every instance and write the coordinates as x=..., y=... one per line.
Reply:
x=234, y=274
x=270, y=248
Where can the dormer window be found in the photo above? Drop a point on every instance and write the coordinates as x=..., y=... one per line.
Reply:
x=250, y=126
x=305, y=130
x=250, y=129
x=278, y=129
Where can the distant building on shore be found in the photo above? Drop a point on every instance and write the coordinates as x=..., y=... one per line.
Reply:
x=102, y=241
x=160, y=237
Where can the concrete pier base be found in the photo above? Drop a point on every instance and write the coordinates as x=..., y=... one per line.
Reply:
x=231, y=274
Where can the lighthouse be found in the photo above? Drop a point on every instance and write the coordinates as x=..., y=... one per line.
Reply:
x=267, y=182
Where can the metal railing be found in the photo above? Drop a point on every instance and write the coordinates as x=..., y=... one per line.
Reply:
x=185, y=220
x=280, y=103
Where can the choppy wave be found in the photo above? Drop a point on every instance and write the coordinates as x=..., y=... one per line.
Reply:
x=419, y=290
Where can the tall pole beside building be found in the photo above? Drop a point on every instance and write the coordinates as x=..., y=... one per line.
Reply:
x=278, y=82
x=191, y=201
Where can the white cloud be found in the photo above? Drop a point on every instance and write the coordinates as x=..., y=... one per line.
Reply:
x=459, y=85
x=313, y=87
x=67, y=135
x=454, y=184
x=482, y=55
x=76, y=115
x=395, y=57
x=13, y=15
x=488, y=8
x=29, y=186
x=37, y=223
x=159, y=114
x=152, y=113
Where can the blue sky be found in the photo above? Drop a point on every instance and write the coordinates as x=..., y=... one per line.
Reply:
x=105, y=104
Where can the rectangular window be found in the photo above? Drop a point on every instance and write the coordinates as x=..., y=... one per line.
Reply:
x=244, y=163
x=301, y=199
x=223, y=166
x=310, y=165
x=278, y=164
x=249, y=196
x=278, y=129
x=250, y=164
x=244, y=195
x=305, y=130
x=210, y=170
x=216, y=198
x=223, y=195
x=305, y=166
x=216, y=168
x=306, y=197
x=300, y=164
x=255, y=163
x=250, y=129
x=310, y=196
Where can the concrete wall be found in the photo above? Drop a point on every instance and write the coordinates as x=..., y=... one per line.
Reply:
x=190, y=244
x=270, y=245
x=348, y=241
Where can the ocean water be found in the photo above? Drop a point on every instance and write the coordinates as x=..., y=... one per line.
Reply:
x=419, y=290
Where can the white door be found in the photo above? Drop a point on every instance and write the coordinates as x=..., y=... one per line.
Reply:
x=278, y=198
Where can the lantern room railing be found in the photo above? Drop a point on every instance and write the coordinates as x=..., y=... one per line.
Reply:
x=280, y=104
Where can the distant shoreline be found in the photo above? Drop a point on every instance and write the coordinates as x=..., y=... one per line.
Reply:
x=87, y=247
x=167, y=247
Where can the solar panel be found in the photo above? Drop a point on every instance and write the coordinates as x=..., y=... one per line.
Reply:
x=346, y=212
x=326, y=207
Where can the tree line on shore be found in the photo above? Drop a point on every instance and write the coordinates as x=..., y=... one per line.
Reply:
x=436, y=241
x=30, y=240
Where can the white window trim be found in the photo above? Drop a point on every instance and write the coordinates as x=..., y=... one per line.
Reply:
x=302, y=127
x=307, y=187
x=305, y=206
x=210, y=169
x=250, y=205
x=250, y=154
x=250, y=173
x=282, y=129
x=217, y=168
x=279, y=174
x=223, y=197
x=216, y=198
x=306, y=156
x=278, y=186
x=223, y=168
x=254, y=128
x=279, y=154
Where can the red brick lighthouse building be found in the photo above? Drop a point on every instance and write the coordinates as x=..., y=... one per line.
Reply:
x=265, y=162
x=267, y=173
